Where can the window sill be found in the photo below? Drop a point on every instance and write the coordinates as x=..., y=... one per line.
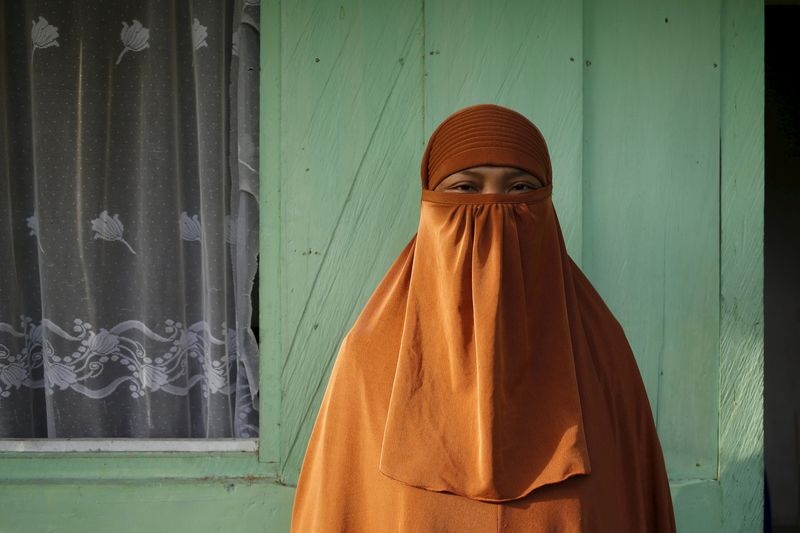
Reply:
x=133, y=460
x=128, y=445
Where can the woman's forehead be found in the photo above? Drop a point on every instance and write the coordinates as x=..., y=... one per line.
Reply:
x=493, y=169
x=491, y=172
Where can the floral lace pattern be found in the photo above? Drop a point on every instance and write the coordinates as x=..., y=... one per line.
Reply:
x=199, y=35
x=110, y=229
x=33, y=225
x=144, y=240
x=43, y=35
x=190, y=228
x=134, y=38
x=95, y=363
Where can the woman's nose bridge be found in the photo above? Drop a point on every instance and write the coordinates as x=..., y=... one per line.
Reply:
x=493, y=184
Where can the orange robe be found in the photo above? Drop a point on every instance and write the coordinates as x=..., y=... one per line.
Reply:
x=485, y=386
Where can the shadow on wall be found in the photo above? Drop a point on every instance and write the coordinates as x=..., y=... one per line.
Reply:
x=698, y=503
x=781, y=257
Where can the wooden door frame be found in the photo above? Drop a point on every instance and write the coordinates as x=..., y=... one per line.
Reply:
x=741, y=433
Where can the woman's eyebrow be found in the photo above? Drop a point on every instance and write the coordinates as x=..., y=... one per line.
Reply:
x=471, y=173
x=511, y=174
x=518, y=172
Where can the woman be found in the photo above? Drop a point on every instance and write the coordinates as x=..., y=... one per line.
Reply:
x=485, y=386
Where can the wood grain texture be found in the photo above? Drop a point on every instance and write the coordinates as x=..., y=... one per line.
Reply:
x=698, y=505
x=270, y=260
x=155, y=507
x=651, y=205
x=741, y=438
x=350, y=144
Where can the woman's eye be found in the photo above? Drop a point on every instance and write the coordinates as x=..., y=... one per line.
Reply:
x=522, y=186
x=463, y=187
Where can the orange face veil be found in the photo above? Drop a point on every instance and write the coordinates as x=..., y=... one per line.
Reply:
x=485, y=400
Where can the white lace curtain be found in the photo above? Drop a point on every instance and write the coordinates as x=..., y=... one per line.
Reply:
x=129, y=234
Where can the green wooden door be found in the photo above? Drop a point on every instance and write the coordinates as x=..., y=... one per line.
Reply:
x=639, y=103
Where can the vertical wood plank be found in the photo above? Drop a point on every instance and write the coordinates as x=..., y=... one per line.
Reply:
x=698, y=506
x=651, y=219
x=351, y=82
x=741, y=437
x=270, y=260
x=525, y=55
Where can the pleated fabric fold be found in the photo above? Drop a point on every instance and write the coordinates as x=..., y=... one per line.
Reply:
x=485, y=379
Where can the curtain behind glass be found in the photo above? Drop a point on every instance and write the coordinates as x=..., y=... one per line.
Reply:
x=128, y=186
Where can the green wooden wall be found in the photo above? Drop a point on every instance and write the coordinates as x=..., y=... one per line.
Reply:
x=653, y=113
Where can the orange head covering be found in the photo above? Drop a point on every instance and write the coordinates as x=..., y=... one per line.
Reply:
x=485, y=134
x=483, y=372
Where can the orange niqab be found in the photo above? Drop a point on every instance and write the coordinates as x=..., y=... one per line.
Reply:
x=485, y=384
x=485, y=380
